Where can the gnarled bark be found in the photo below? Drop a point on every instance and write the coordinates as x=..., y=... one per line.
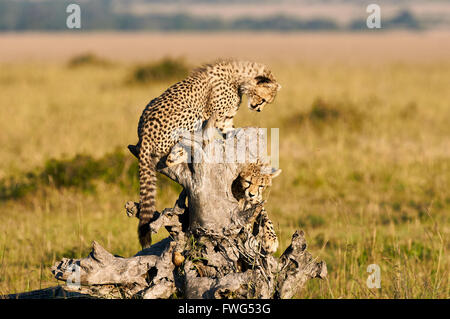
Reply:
x=209, y=253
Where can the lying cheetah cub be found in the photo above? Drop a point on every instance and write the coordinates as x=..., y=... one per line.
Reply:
x=248, y=189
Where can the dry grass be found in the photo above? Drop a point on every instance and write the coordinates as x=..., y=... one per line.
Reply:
x=365, y=153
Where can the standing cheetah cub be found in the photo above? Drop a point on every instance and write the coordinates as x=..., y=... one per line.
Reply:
x=213, y=89
x=248, y=189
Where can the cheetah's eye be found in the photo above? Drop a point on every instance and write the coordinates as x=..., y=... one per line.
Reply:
x=262, y=79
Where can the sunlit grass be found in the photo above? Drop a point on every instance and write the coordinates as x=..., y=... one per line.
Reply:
x=365, y=153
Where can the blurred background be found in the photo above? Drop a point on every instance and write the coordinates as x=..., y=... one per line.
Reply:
x=363, y=116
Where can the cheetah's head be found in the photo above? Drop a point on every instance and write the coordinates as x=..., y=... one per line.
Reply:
x=254, y=180
x=261, y=91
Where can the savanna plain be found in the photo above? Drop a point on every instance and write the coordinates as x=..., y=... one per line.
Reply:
x=364, y=145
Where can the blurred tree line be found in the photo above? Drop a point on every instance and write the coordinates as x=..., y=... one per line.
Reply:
x=23, y=15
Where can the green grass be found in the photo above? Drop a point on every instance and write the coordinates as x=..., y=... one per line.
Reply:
x=167, y=69
x=81, y=173
x=88, y=60
x=365, y=153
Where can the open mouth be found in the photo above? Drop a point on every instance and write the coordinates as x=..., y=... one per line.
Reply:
x=254, y=106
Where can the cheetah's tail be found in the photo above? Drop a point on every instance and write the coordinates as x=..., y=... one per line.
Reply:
x=147, y=180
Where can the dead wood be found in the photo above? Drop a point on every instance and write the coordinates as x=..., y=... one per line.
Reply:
x=209, y=254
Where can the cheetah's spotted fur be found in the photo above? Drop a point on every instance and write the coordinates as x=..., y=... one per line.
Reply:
x=248, y=189
x=213, y=89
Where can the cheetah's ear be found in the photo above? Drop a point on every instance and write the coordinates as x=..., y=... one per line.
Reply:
x=275, y=172
x=267, y=82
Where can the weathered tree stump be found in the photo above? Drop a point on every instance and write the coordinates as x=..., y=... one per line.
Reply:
x=209, y=253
